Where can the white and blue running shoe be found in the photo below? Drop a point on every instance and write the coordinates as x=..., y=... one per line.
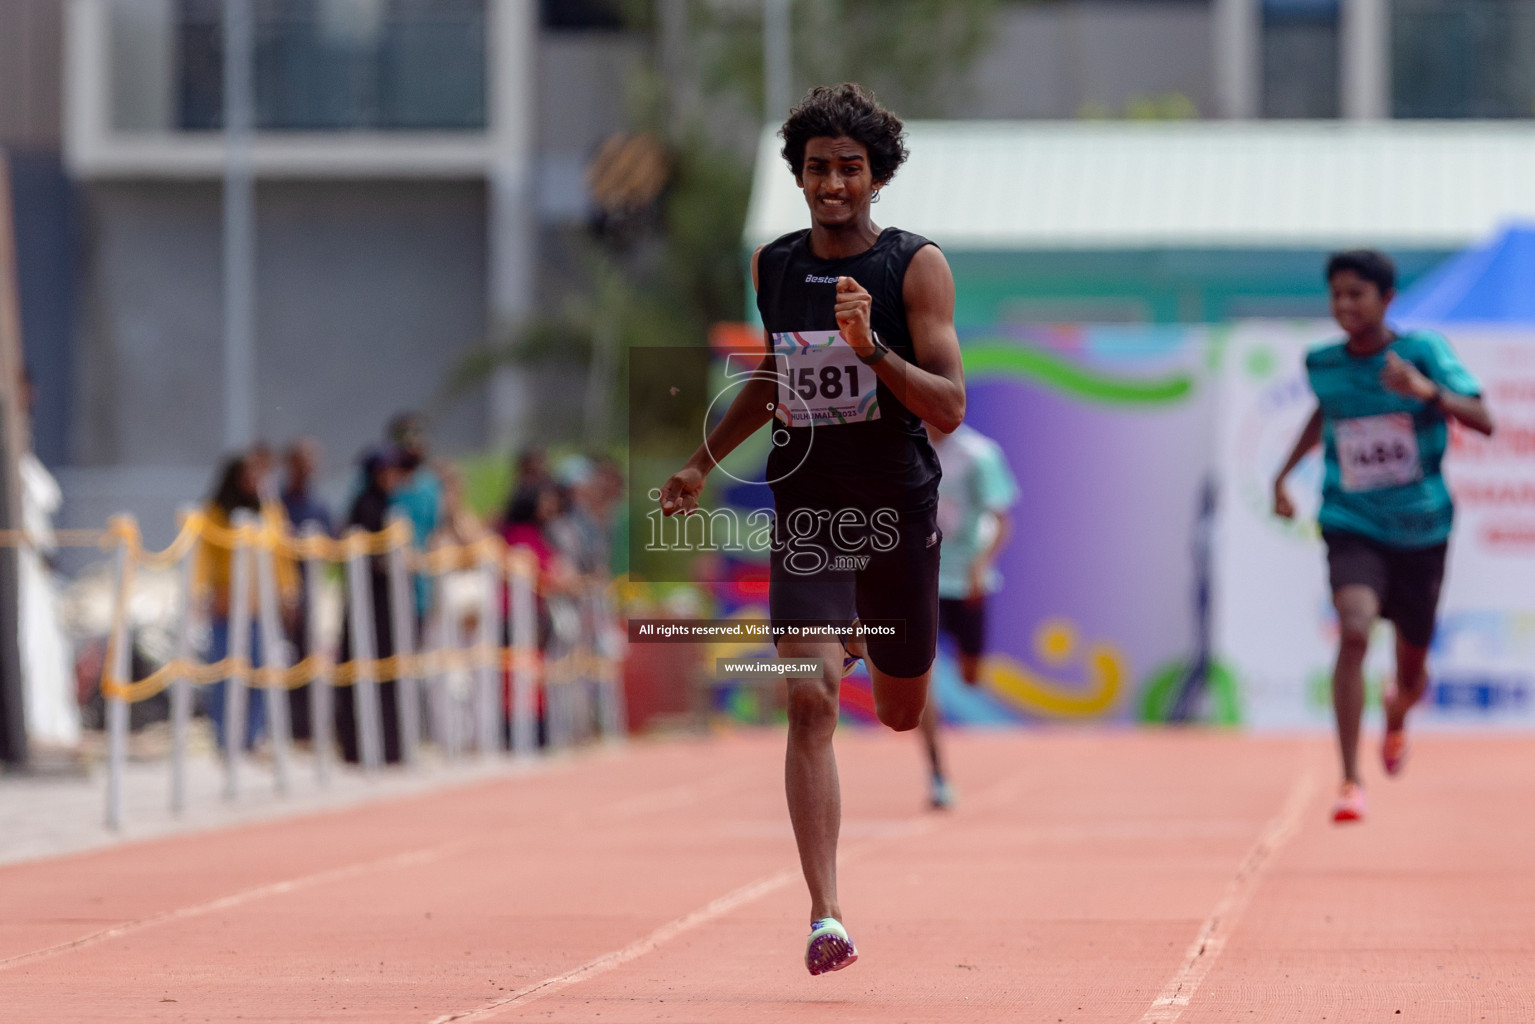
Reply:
x=850, y=660
x=828, y=948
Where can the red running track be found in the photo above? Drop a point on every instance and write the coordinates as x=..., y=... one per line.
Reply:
x=1126, y=877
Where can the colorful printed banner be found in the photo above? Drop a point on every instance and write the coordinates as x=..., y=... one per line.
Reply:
x=1107, y=430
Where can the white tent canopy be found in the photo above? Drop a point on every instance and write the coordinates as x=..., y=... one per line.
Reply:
x=994, y=185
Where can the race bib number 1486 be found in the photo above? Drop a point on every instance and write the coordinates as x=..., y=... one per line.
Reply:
x=1377, y=451
x=821, y=381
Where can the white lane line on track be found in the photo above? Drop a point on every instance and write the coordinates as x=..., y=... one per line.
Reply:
x=399, y=860
x=602, y=964
x=675, y=796
x=710, y=911
x=1217, y=929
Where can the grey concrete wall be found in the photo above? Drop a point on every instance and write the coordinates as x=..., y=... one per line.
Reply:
x=31, y=61
x=1052, y=60
x=368, y=294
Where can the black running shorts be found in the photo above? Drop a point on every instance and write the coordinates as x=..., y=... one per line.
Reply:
x=965, y=621
x=1405, y=580
x=827, y=568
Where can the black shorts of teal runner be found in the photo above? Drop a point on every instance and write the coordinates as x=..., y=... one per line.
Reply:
x=831, y=573
x=1405, y=580
x=965, y=621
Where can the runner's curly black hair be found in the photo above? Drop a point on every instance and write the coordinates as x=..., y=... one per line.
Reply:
x=828, y=112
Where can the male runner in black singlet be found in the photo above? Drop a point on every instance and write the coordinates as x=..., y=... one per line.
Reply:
x=862, y=350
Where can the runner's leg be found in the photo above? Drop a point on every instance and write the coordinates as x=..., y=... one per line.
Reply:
x=1412, y=603
x=899, y=700
x=1411, y=682
x=1357, y=607
x=930, y=733
x=810, y=773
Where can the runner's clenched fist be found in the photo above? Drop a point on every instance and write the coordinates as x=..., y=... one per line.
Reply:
x=853, y=307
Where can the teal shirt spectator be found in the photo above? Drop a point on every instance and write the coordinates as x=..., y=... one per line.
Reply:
x=420, y=501
x=1382, y=451
x=976, y=481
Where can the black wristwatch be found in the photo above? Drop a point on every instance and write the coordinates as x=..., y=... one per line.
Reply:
x=880, y=351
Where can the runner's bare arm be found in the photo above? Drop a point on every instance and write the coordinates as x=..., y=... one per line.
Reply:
x=1310, y=436
x=981, y=567
x=1406, y=379
x=748, y=411
x=933, y=387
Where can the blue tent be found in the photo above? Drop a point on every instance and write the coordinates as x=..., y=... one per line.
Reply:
x=1491, y=283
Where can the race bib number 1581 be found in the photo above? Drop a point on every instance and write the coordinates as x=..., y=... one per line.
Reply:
x=821, y=381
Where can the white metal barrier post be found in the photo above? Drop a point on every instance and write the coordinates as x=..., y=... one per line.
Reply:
x=181, y=686
x=239, y=650
x=609, y=642
x=321, y=730
x=444, y=708
x=487, y=643
x=274, y=661
x=524, y=611
x=117, y=668
x=365, y=697
x=402, y=610
x=496, y=634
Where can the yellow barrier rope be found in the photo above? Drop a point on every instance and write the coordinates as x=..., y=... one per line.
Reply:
x=57, y=539
x=266, y=535
x=379, y=670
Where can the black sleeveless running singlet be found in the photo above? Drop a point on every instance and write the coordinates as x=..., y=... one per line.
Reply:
x=883, y=462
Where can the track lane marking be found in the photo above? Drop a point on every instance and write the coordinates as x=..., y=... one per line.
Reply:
x=717, y=908
x=1216, y=931
x=408, y=859
x=617, y=958
x=671, y=798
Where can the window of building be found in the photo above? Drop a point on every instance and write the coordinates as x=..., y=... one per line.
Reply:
x=1300, y=58
x=581, y=15
x=1463, y=58
x=341, y=64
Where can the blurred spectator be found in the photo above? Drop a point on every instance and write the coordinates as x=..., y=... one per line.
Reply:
x=579, y=532
x=419, y=495
x=531, y=468
x=235, y=489
x=457, y=524
x=383, y=473
x=263, y=467
x=613, y=513
x=52, y=712
x=531, y=511
x=302, y=460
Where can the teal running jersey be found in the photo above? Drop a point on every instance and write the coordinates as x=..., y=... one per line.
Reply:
x=1382, y=451
x=976, y=485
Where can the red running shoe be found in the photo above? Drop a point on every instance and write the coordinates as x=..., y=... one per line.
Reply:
x=1351, y=805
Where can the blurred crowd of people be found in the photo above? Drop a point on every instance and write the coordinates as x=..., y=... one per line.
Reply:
x=566, y=513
